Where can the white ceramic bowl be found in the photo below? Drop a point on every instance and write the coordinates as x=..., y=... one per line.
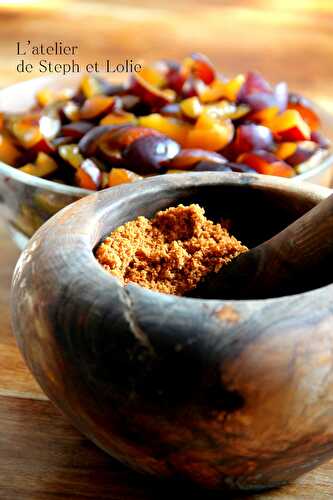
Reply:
x=30, y=201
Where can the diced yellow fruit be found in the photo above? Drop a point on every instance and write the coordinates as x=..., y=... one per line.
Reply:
x=27, y=134
x=285, y=149
x=90, y=86
x=72, y=111
x=212, y=138
x=265, y=116
x=153, y=76
x=118, y=119
x=45, y=96
x=71, y=154
x=8, y=152
x=172, y=127
x=45, y=165
x=95, y=106
x=191, y=107
x=122, y=176
x=44, y=159
x=289, y=126
x=219, y=89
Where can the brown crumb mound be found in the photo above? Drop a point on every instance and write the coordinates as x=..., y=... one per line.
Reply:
x=170, y=253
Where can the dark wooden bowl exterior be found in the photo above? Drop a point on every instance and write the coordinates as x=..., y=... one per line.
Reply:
x=235, y=394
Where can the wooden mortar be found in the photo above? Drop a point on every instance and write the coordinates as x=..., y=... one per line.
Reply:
x=235, y=394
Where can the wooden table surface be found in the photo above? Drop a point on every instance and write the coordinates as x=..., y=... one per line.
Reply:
x=42, y=456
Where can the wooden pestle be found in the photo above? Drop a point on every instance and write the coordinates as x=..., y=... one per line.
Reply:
x=297, y=259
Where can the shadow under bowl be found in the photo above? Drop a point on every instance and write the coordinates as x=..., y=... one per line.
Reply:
x=223, y=394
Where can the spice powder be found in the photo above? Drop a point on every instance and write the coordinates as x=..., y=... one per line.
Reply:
x=170, y=253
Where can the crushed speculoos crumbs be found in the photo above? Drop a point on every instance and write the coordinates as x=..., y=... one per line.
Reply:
x=170, y=253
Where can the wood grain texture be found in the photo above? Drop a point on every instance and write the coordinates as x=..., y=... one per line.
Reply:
x=289, y=40
x=169, y=385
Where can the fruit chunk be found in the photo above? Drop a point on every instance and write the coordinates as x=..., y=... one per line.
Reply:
x=186, y=158
x=172, y=127
x=71, y=154
x=303, y=152
x=266, y=163
x=122, y=176
x=49, y=124
x=43, y=166
x=249, y=137
x=149, y=94
x=47, y=96
x=201, y=68
x=91, y=86
x=219, y=89
x=76, y=129
x=26, y=129
x=304, y=107
x=259, y=95
x=210, y=133
x=264, y=116
x=290, y=126
x=119, y=118
x=153, y=76
x=254, y=83
x=146, y=154
x=175, y=76
x=88, y=176
x=115, y=135
x=285, y=149
x=96, y=106
x=224, y=109
x=8, y=151
x=193, y=87
x=191, y=107
x=71, y=110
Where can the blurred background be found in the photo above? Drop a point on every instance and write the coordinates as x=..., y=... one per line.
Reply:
x=285, y=39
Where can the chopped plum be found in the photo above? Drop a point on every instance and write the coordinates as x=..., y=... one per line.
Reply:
x=202, y=68
x=254, y=83
x=290, y=126
x=122, y=176
x=320, y=139
x=186, y=158
x=266, y=163
x=251, y=136
x=88, y=176
x=174, y=128
x=76, y=129
x=43, y=166
x=213, y=136
x=89, y=142
x=146, y=154
x=71, y=154
x=96, y=106
x=191, y=107
x=305, y=109
x=9, y=153
x=119, y=118
x=149, y=94
x=304, y=151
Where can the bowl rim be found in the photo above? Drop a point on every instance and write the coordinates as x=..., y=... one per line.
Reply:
x=41, y=183
x=38, y=182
